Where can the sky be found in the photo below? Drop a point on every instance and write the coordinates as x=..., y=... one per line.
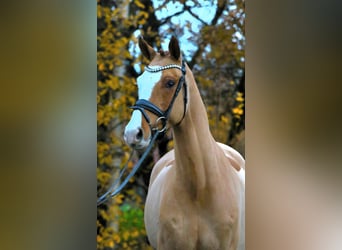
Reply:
x=206, y=13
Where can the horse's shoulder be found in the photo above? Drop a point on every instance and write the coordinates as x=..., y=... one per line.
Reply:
x=233, y=155
x=167, y=160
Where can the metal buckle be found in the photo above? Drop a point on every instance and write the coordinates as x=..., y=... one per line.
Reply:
x=160, y=120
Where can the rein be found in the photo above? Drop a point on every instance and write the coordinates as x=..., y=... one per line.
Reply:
x=163, y=116
x=112, y=191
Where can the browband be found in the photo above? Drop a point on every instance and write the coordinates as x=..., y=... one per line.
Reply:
x=161, y=68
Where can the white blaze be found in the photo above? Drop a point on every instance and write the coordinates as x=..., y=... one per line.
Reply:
x=146, y=83
x=135, y=121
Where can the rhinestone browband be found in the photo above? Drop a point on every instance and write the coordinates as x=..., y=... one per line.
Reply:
x=170, y=66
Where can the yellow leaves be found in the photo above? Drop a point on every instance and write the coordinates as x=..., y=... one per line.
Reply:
x=125, y=235
x=239, y=97
x=143, y=231
x=111, y=244
x=113, y=83
x=205, y=82
x=224, y=119
x=139, y=4
x=107, y=160
x=105, y=114
x=99, y=12
x=130, y=165
x=102, y=66
x=102, y=92
x=130, y=192
x=117, y=103
x=104, y=12
x=142, y=21
x=119, y=199
x=116, y=92
x=135, y=233
x=104, y=154
x=102, y=147
x=117, y=238
x=109, y=238
x=100, y=116
x=104, y=177
x=170, y=145
x=237, y=111
x=140, y=18
x=121, y=238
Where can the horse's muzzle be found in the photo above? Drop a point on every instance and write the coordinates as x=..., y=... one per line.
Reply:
x=134, y=137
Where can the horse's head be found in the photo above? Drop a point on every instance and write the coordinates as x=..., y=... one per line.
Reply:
x=159, y=101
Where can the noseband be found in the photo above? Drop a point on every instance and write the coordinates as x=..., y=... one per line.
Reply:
x=142, y=105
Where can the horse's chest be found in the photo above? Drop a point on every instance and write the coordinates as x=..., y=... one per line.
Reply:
x=174, y=221
x=183, y=225
x=189, y=230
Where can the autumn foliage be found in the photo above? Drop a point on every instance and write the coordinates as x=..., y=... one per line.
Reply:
x=216, y=56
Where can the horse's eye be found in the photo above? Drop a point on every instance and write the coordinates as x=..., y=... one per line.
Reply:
x=170, y=84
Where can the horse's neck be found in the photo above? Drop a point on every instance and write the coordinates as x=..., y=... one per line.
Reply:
x=195, y=148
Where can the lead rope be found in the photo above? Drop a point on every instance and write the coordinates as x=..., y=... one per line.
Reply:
x=112, y=191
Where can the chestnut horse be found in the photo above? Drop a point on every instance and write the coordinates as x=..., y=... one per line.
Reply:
x=196, y=194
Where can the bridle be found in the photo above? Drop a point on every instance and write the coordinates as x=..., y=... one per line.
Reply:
x=163, y=116
x=142, y=105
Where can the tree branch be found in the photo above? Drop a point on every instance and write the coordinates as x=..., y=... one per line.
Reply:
x=193, y=14
x=220, y=8
x=167, y=19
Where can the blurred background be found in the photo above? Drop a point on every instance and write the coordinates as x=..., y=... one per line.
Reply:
x=211, y=36
x=50, y=105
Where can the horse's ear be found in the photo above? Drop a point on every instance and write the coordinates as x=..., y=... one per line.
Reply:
x=146, y=49
x=174, y=48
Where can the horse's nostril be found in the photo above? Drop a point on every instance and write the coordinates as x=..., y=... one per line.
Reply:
x=139, y=134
